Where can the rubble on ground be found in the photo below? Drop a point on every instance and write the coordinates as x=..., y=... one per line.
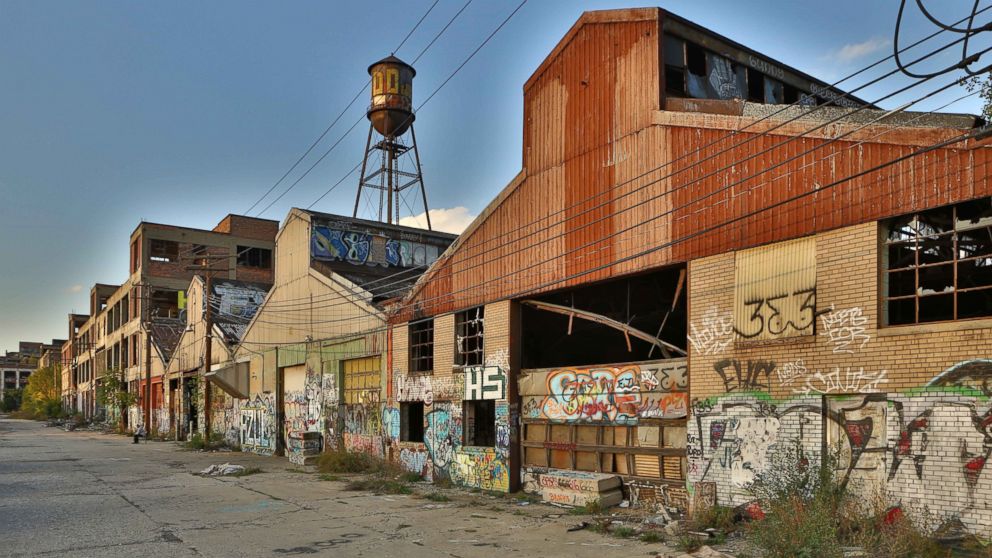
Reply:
x=221, y=470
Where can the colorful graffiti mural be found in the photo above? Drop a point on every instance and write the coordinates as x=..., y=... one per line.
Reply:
x=925, y=451
x=621, y=394
x=361, y=248
x=258, y=425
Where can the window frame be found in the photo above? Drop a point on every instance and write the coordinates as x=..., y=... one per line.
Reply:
x=471, y=330
x=917, y=243
x=470, y=414
x=420, y=347
x=163, y=250
x=405, y=422
x=254, y=256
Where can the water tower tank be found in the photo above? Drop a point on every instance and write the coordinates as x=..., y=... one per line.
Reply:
x=391, y=112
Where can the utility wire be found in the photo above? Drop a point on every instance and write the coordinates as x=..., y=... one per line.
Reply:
x=338, y=117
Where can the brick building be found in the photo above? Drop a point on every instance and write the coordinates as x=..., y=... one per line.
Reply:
x=313, y=357
x=163, y=260
x=686, y=278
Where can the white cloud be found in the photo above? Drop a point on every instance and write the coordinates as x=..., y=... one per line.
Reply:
x=76, y=289
x=452, y=220
x=854, y=51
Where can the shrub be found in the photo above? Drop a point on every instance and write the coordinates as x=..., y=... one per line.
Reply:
x=650, y=537
x=198, y=442
x=437, y=497
x=341, y=461
x=379, y=485
x=623, y=532
x=590, y=508
x=716, y=517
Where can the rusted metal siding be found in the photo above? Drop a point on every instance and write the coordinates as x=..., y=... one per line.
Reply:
x=601, y=183
x=709, y=192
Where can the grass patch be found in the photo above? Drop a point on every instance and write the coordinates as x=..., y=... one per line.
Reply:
x=443, y=482
x=410, y=477
x=198, y=442
x=341, y=461
x=650, y=537
x=437, y=497
x=623, y=532
x=328, y=477
x=379, y=485
x=806, y=512
x=690, y=543
x=295, y=470
x=247, y=471
x=590, y=508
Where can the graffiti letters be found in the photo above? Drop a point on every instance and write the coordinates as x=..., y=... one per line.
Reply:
x=485, y=382
x=845, y=329
x=750, y=376
x=713, y=333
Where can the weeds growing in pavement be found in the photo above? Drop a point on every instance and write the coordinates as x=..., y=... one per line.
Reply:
x=623, y=532
x=379, y=485
x=805, y=511
x=198, y=442
x=437, y=497
x=590, y=508
x=650, y=537
x=328, y=477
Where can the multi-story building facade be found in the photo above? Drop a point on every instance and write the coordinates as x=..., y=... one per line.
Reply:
x=688, y=279
x=17, y=367
x=163, y=260
x=311, y=368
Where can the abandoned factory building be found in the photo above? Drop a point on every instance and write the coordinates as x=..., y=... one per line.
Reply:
x=709, y=263
x=688, y=279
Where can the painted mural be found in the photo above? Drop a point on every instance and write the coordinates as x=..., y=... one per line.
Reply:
x=361, y=248
x=924, y=450
x=258, y=424
x=620, y=394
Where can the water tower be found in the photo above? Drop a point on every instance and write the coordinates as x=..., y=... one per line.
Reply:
x=384, y=168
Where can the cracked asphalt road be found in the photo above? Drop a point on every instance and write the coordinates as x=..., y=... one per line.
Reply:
x=91, y=494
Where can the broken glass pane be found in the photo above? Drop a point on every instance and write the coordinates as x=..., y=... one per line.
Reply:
x=973, y=214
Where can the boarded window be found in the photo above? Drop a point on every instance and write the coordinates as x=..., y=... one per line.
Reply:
x=938, y=264
x=422, y=346
x=469, y=337
x=775, y=290
x=361, y=381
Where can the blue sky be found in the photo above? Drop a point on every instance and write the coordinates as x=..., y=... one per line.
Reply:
x=182, y=112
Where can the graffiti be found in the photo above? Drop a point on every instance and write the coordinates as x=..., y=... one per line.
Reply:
x=853, y=380
x=442, y=436
x=258, y=429
x=500, y=358
x=409, y=254
x=791, y=371
x=362, y=419
x=772, y=317
x=481, y=468
x=714, y=332
x=238, y=300
x=974, y=374
x=751, y=377
x=484, y=382
x=621, y=394
x=717, y=430
x=391, y=423
x=414, y=388
x=754, y=436
x=415, y=461
x=361, y=443
x=844, y=329
x=335, y=245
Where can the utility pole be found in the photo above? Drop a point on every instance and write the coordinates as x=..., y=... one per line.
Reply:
x=208, y=354
x=148, y=357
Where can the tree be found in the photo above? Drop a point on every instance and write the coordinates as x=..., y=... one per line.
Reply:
x=112, y=393
x=982, y=84
x=11, y=400
x=43, y=395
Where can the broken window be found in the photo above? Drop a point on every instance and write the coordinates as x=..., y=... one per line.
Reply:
x=469, y=337
x=422, y=346
x=412, y=421
x=480, y=423
x=254, y=257
x=163, y=250
x=938, y=264
x=674, y=52
x=164, y=303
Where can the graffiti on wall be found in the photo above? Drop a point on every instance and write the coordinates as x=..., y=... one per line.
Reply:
x=416, y=461
x=621, y=394
x=751, y=375
x=483, y=468
x=360, y=248
x=391, y=423
x=258, y=425
x=845, y=329
x=414, y=388
x=484, y=382
x=924, y=451
x=713, y=332
x=775, y=290
x=443, y=436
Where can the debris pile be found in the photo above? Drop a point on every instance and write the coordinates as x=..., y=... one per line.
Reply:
x=221, y=470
